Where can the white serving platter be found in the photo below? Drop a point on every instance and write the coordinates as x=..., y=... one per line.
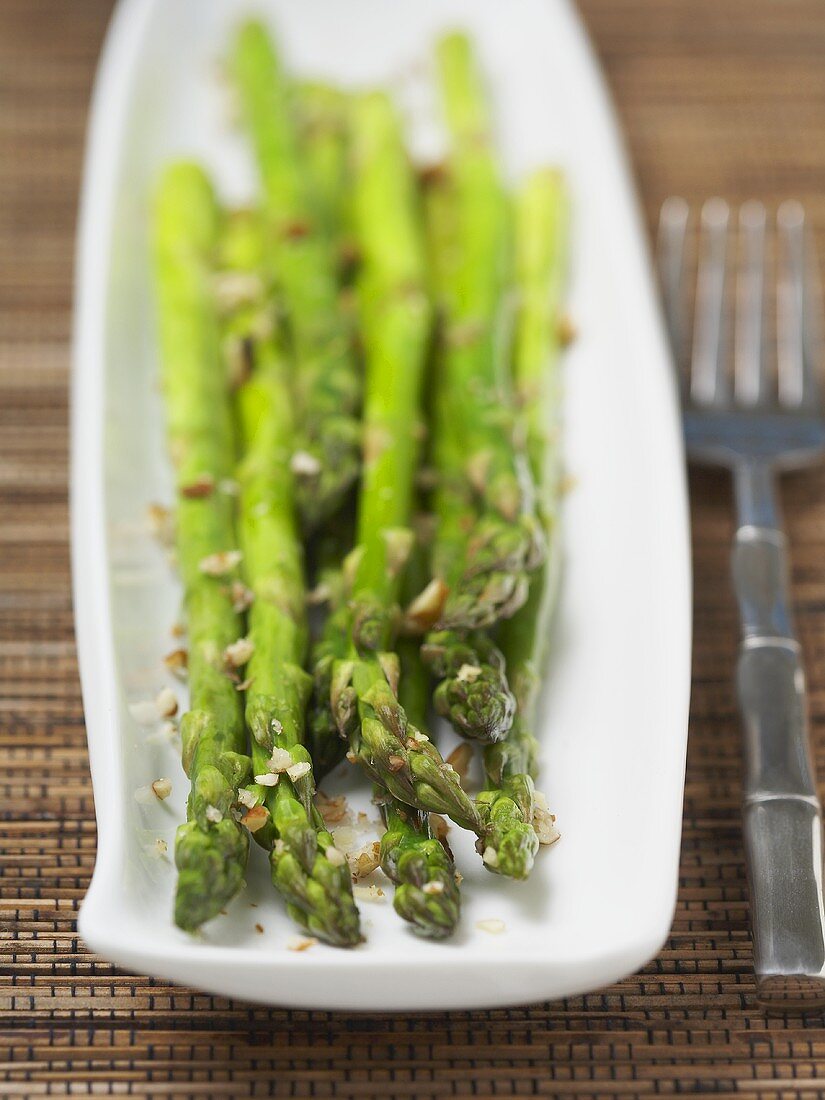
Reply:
x=614, y=723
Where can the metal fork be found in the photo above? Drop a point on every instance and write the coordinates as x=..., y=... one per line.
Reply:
x=757, y=427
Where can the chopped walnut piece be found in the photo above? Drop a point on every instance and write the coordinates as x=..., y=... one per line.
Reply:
x=247, y=798
x=255, y=818
x=545, y=825
x=218, y=565
x=299, y=770
x=213, y=814
x=202, y=486
x=494, y=926
x=258, y=927
x=301, y=943
x=162, y=788
x=490, y=856
x=238, y=653
x=177, y=662
x=166, y=703
x=566, y=331
x=334, y=811
x=396, y=763
x=468, y=674
x=426, y=608
x=363, y=863
x=280, y=760
x=242, y=597
x=434, y=887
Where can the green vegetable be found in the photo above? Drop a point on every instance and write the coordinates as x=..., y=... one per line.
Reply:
x=211, y=848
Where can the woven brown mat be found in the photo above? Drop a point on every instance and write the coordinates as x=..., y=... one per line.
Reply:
x=716, y=96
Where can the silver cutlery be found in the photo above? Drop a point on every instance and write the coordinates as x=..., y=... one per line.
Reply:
x=755, y=409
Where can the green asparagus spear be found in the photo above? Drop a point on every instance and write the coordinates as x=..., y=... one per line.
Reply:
x=323, y=133
x=420, y=864
x=306, y=868
x=395, y=317
x=327, y=381
x=489, y=535
x=211, y=848
x=541, y=255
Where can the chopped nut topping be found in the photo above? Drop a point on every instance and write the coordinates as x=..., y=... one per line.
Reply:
x=460, y=759
x=303, y=464
x=177, y=630
x=459, y=878
x=247, y=798
x=177, y=662
x=162, y=788
x=299, y=770
x=166, y=703
x=334, y=811
x=158, y=849
x=494, y=926
x=255, y=818
x=396, y=763
x=242, y=597
x=161, y=523
x=213, y=814
x=275, y=725
x=351, y=757
x=269, y=779
x=490, y=856
x=335, y=857
x=434, y=887
x=280, y=760
x=218, y=565
x=301, y=943
x=245, y=685
x=369, y=893
x=540, y=800
x=468, y=674
x=566, y=331
x=202, y=486
x=419, y=736
x=363, y=863
x=258, y=927
x=238, y=653
x=544, y=824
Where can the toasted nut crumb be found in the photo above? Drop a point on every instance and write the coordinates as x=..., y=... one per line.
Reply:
x=158, y=849
x=303, y=464
x=468, y=674
x=161, y=523
x=177, y=630
x=299, y=770
x=460, y=759
x=396, y=763
x=202, y=486
x=280, y=760
x=439, y=826
x=269, y=779
x=494, y=926
x=566, y=331
x=544, y=824
x=238, y=653
x=459, y=878
x=301, y=943
x=540, y=799
x=368, y=893
x=218, y=565
x=255, y=818
x=259, y=927
x=247, y=798
x=419, y=736
x=335, y=857
x=213, y=814
x=434, y=887
x=177, y=662
x=363, y=863
x=490, y=856
x=275, y=726
x=351, y=757
x=242, y=597
x=334, y=811
x=162, y=788
x=245, y=685
x=166, y=703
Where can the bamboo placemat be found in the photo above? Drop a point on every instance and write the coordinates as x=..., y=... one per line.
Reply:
x=715, y=97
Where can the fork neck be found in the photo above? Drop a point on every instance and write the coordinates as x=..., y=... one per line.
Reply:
x=754, y=488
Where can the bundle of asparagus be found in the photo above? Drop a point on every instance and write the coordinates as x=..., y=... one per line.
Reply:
x=272, y=420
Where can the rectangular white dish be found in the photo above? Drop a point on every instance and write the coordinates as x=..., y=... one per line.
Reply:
x=600, y=902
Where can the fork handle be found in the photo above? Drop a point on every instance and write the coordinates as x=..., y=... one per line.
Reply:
x=782, y=813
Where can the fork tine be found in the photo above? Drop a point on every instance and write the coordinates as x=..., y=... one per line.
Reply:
x=750, y=374
x=670, y=252
x=708, y=384
x=798, y=310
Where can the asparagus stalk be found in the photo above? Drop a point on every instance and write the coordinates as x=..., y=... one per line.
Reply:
x=541, y=217
x=489, y=535
x=322, y=119
x=306, y=868
x=325, y=462
x=211, y=848
x=395, y=319
x=420, y=864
